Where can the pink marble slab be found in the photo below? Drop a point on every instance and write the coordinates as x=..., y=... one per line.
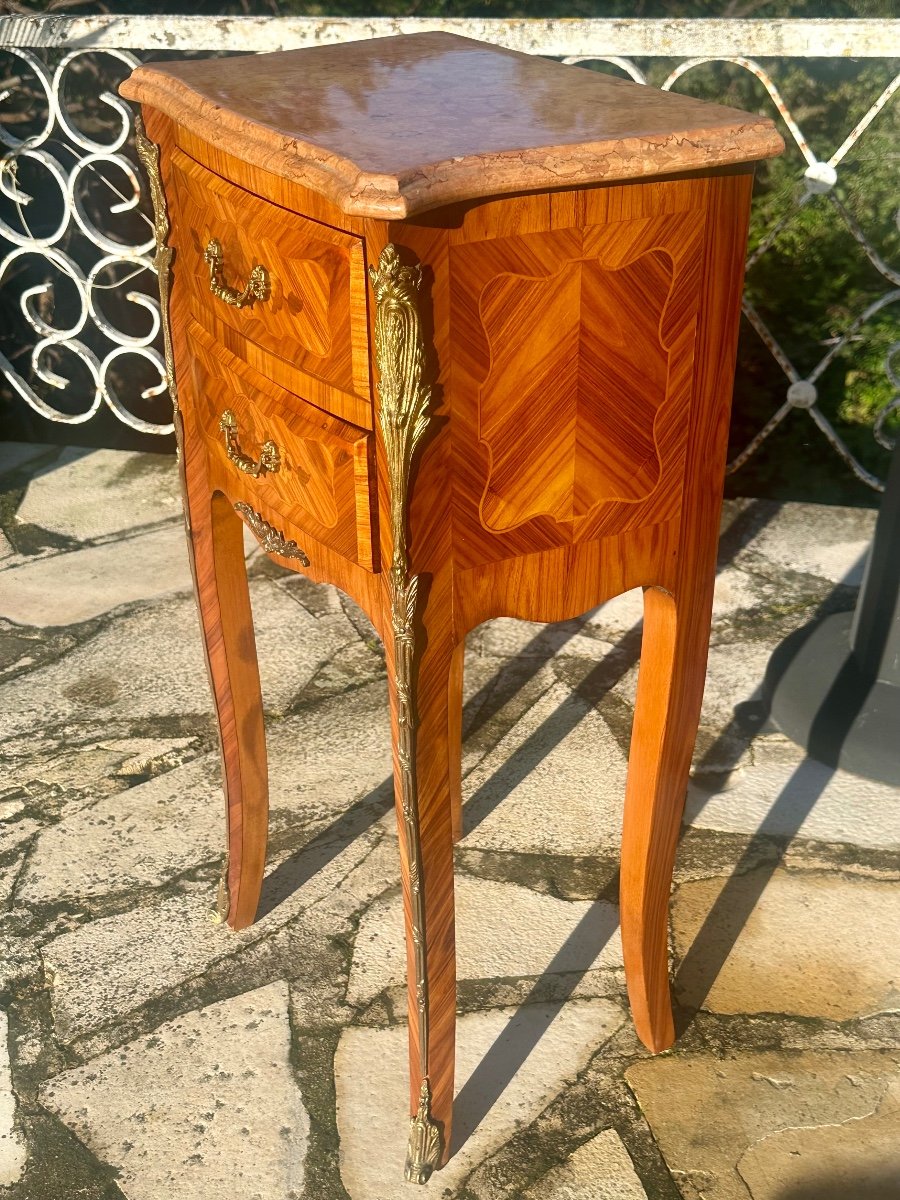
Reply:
x=394, y=126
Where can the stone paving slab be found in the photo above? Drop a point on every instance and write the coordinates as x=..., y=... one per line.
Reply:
x=735, y=590
x=14, y=455
x=19, y=957
x=776, y=1126
x=539, y=792
x=562, y=936
x=734, y=676
x=619, y=615
x=795, y=538
x=497, y=694
x=782, y=793
x=9, y=874
x=136, y=565
x=598, y=1170
x=112, y=966
x=859, y=1158
x=501, y=1088
x=507, y=636
x=13, y=833
x=50, y=782
x=97, y=579
x=142, y=837
x=88, y=494
x=204, y=1107
x=127, y=1000
x=333, y=753
x=811, y=943
x=124, y=673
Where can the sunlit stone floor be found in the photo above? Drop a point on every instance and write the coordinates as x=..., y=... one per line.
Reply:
x=146, y=1053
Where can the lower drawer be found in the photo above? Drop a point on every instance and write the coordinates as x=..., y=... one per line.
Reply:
x=285, y=457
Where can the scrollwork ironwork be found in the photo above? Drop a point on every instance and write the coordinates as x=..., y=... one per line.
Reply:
x=64, y=160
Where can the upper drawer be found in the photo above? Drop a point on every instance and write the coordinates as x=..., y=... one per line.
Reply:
x=308, y=310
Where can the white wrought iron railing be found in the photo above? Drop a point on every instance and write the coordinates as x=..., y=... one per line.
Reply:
x=54, y=161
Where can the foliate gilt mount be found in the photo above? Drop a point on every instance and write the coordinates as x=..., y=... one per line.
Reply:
x=271, y=539
x=148, y=153
x=403, y=417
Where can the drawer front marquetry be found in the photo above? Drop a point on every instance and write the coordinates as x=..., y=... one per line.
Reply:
x=292, y=288
x=281, y=456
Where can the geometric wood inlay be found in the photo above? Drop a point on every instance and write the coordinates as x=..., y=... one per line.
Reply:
x=566, y=409
x=322, y=485
x=308, y=316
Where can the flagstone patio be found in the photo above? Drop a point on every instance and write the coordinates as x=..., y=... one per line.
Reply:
x=147, y=1053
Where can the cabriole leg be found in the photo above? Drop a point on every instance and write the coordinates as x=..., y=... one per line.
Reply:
x=420, y=721
x=227, y=624
x=454, y=718
x=667, y=713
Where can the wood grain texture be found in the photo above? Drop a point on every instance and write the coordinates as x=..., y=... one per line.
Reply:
x=565, y=431
x=226, y=615
x=430, y=551
x=215, y=541
x=391, y=127
x=578, y=405
x=557, y=585
x=676, y=633
x=310, y=316
x=216, y=553
x=323, y=485
x=221, y=158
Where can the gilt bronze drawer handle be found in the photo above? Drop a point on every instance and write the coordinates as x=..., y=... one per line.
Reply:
x=256, y=287
x=269, y=457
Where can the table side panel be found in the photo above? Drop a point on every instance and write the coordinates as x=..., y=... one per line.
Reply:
x=573, y=360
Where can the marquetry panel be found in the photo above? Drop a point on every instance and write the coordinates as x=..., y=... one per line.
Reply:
x=572, y=374
x=312, y=318
x=600, y=443
x=323, y=484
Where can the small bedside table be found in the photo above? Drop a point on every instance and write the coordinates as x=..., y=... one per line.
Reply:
x=452, y=328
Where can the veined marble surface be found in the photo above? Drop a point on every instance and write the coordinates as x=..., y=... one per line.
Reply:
x=389, y=127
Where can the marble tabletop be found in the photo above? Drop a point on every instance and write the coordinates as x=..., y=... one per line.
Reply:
x=389, y=127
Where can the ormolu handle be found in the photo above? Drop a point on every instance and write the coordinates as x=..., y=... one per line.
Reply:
x=255, y=289
x=269, y=458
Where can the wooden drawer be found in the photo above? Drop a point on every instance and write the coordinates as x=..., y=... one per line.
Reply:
x=323, y=480
x=306, y=324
